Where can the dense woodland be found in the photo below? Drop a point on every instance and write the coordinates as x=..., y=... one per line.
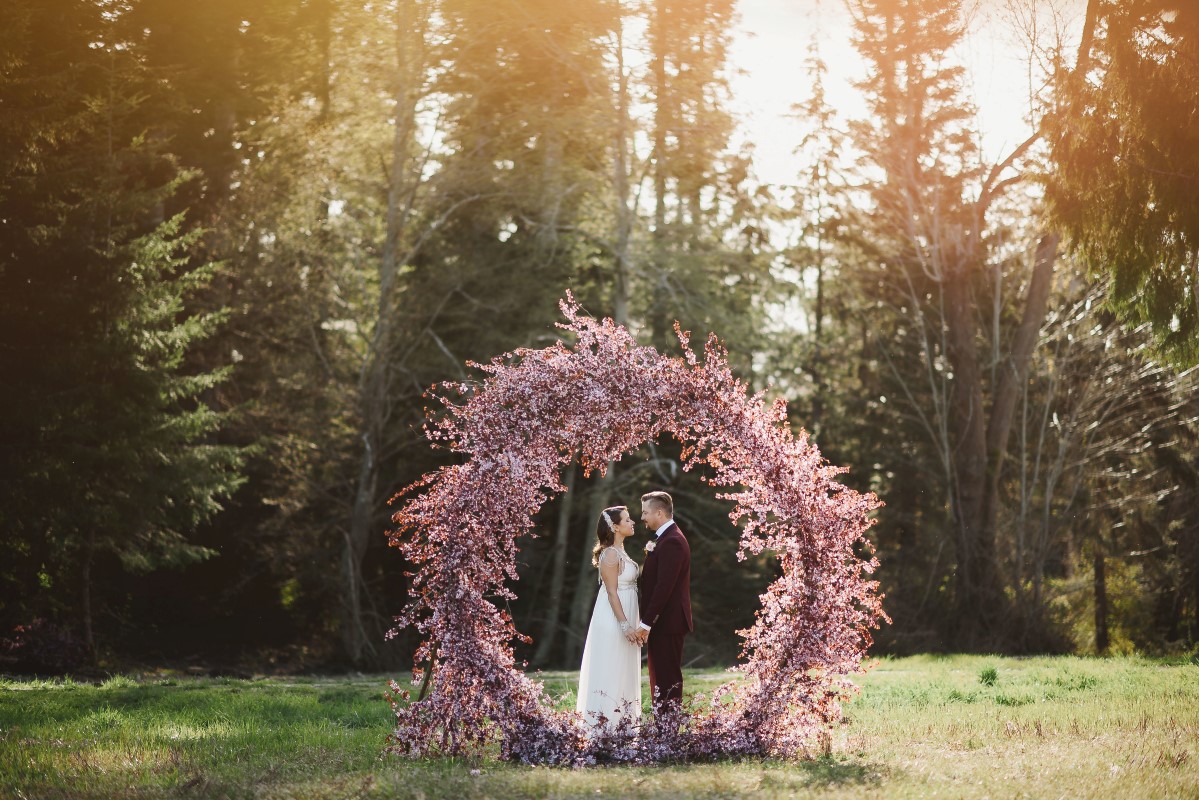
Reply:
x=239, y=243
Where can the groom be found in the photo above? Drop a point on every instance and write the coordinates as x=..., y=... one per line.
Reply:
x=665, y=599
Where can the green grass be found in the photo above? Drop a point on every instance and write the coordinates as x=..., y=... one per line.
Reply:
x=957, y=726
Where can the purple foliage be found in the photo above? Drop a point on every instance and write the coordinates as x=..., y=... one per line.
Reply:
x=603, y=397
x=42, y=648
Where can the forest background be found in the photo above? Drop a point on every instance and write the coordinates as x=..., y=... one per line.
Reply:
x=239, y=243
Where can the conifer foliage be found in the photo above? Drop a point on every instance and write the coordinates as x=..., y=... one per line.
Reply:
x=101, y=412
x=1127, y=184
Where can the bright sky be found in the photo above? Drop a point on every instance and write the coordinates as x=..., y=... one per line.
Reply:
x=772, y=42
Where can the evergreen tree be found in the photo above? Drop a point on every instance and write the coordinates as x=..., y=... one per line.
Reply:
x=1127, y=153
x=524, y=192
x=694, y=265
x=304, y=232
x=852, y=373
x=110, y=450
x=930, y=238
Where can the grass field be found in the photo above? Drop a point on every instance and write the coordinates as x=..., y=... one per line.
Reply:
x=955, y=727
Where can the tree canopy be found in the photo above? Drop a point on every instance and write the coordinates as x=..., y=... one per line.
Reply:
x=239, y=243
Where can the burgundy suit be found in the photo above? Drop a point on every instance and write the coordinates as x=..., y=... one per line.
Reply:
x=666, y=609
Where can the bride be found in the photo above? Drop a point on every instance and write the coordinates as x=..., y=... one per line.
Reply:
x=610, y=676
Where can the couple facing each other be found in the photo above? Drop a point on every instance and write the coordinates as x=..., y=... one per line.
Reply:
x=650, y=606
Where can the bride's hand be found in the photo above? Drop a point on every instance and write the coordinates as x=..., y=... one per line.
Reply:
x=633, y=638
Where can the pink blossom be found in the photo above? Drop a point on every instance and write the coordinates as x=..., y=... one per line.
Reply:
x=602, y=397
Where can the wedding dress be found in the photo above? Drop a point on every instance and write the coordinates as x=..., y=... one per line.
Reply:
x=610, y=677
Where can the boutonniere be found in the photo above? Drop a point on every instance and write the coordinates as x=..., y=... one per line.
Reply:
x=650, y=545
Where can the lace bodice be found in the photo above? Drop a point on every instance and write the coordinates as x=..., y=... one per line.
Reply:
x=628, y=568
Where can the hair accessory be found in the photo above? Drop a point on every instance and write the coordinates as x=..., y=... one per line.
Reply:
x=608, y=520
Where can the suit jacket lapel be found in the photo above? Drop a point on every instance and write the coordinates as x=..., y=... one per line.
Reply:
x=657, y=540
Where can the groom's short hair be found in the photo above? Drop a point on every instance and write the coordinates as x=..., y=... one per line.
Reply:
x=661, y=499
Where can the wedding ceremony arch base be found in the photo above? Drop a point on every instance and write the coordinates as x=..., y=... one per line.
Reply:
x=596, y=397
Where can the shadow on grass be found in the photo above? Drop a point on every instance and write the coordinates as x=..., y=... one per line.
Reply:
x=450, y=779
x=830, y=771
x=308, y=741
x=205, y=741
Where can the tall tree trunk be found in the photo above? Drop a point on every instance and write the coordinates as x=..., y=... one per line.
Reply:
x=662, y=118
x=1100, y=588
x=1013, y=371
x=553, y=609
x=584, y=594
x=355, y=639
x=587, y=577
x=980, y=595
x=89, y=638
x=374, y=381
x=620, y=180
x=976, y=584
x=322, y=11
x=816, y=370
x=1010, y=386
x=220, y=157
x=982, y=439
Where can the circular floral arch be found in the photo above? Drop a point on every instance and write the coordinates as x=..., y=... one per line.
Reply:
x=598, y=399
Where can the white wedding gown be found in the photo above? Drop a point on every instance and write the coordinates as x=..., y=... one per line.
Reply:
x=610, y=677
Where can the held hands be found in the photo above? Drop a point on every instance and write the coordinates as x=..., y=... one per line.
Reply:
x=633, y=635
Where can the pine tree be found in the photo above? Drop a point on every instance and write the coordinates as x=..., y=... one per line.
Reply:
x=1127, y=153
x=929, y=236
x=111, y=456
x=687, y=273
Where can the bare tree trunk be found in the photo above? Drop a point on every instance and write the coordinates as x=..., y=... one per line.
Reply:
x=982, y=439
x=816, y=370
x=1100, y=587
x=980, y=455
x=620, y=180
x=553, y=610
x=1010, y=385
x=218, y=169
x=374, y=381
x=584, y=589
x=587, y=578
x=1012, y=375
x=977, y=587
x=89, y=638
x=323, y=34
x=979, y=437
x=658, y=315
x=355, y=639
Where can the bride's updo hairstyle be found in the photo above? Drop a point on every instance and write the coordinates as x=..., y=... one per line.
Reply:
x=605, y=531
